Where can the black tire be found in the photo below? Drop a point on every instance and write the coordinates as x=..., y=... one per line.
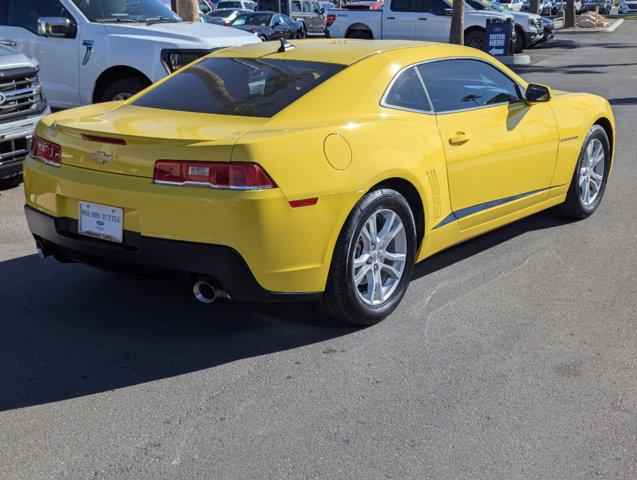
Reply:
x=574, y=206
x=11, y=182
x=303, y=31
x=474, y=39
x=125, y=87
x=263, y=38
x=519, y=40
x=341, y=298
x=362, y=34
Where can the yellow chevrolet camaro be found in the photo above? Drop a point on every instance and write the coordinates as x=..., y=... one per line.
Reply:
x=322, y=170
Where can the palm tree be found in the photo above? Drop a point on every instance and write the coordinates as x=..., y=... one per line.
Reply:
x=188, y=10
x=569, y=18
x=456, y=33
x=534, y=6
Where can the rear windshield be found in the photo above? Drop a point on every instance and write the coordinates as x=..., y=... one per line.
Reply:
x=252, y=87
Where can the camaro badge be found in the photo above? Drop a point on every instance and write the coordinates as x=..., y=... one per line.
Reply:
x=101, y=157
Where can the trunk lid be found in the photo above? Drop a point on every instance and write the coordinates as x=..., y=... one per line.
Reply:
x=147, y=134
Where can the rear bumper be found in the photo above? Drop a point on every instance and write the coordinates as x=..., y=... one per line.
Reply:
x=155, y=258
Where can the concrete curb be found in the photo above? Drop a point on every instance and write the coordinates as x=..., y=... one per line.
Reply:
x=517, y=59
x=614, y=26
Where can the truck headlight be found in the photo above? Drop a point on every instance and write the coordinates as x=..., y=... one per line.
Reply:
x=173, y=60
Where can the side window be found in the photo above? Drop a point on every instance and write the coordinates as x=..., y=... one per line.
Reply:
x=306, y=7
x=435, y=7
x=316, y=8
x=22, y=13
x=464, y=84
x=406, y=92
x=401, y=6
x=296, y=6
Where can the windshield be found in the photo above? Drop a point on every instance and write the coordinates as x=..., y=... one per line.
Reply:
x=261, y=19
x=229, y=5
x=225, y=12
x=126, y=11
x=252, y=87
x=494, y=6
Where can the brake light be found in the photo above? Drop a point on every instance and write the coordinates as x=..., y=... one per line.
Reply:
x=45, y=151
x=226, y=175
x=98, y=138
x=330, y=19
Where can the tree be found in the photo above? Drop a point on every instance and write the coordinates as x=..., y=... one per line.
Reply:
x=569, y=14
x=456, y=33
x=534, y=6
x=188, y=10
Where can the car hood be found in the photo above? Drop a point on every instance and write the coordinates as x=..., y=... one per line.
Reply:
x=183, y=34
x=487, y=14
x=12, y=58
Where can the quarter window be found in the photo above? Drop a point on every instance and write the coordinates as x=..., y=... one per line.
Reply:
x=464, y=84
x=407, y=92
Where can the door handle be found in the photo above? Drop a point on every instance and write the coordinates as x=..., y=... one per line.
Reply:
x=391, y=18
x=459, y=138
x=422, y=18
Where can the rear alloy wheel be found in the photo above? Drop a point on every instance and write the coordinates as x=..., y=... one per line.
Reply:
x=373, y=260
x=474, y=39
x=589, y=179
x=519, y=41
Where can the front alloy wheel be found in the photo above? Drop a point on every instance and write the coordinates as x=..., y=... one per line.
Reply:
x=373, y=259
x=591, y=174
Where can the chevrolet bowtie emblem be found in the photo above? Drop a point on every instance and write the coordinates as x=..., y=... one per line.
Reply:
x=101, y=157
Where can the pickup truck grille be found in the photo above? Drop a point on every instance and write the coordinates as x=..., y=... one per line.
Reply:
x=12, y=150
x=20, y=93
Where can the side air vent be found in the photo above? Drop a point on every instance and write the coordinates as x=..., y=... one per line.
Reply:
x=435, y=191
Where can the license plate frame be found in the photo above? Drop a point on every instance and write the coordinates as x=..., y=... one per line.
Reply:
x=101, y=221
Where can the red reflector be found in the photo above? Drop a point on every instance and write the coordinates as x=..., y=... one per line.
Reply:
x=98, y=138
x=231, y=175
x=306, y=202
x=330, y=19
x=45, y=151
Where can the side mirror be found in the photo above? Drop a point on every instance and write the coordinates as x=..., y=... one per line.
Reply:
x=322, y=11
x=537, y=93
x=55, y=27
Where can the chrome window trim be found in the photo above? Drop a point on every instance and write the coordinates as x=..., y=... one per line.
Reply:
x=433, y=111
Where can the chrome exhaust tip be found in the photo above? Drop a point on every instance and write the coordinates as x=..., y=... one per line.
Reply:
x=204, y=292
x=40, y=248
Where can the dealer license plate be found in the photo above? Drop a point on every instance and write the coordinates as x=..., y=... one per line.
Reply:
x=101, y=221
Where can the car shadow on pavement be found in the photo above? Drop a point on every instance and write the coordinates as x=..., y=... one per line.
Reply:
x=67, y=330
x=462, y=251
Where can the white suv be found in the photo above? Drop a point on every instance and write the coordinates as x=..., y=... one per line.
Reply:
x=99, y=50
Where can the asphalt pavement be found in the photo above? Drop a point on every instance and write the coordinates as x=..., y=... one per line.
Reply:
x=513, y=356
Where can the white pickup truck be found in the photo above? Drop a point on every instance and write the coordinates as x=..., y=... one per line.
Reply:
x=99, y=50
x=428, y=20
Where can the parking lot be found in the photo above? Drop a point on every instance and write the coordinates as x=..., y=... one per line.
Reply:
x=512, y=356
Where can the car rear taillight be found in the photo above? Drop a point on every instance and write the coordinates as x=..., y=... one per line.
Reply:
x=227, y=175
x=45, y=151
x=330, y=19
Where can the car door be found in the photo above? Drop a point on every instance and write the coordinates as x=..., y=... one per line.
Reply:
x=500, y=151
x=279, y=28
x=433, y=20
x=399, y=22
x=319, y=18
x=58, y=56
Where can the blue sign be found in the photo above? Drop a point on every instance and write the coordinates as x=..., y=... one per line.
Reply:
x=497, y=38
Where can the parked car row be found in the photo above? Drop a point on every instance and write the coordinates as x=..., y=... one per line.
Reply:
x=552, y=7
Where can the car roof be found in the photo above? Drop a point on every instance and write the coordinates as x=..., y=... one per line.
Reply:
x=340, y=50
